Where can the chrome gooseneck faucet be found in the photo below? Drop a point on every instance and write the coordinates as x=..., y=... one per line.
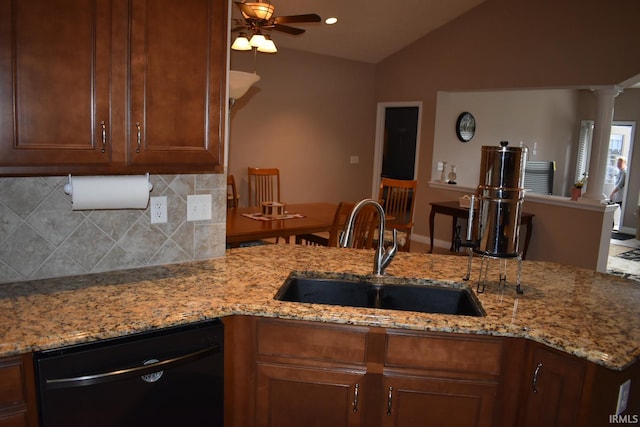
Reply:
x=383, y=256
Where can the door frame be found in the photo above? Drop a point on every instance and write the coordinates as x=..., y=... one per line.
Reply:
x=379, y=141
x=629, y=155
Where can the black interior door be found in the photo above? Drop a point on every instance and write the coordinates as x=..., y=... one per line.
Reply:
x=400, y=136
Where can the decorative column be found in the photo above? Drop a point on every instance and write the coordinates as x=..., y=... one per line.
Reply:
x=600, y=144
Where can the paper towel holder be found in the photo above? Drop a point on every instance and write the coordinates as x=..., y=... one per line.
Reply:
x=68, y=187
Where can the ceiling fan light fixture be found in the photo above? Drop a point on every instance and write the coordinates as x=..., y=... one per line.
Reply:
x=257, y=40
x=261, y=10
x=241, y=43
x=268, y=46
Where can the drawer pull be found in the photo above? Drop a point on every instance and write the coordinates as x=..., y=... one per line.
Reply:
x=355, y=398
x=389, y=400
x=128, y=372
x=534, y=380
x=104, y=136
x=139, y=137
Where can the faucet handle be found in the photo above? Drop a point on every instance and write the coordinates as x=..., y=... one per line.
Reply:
x=389, y=252
x=394, y=245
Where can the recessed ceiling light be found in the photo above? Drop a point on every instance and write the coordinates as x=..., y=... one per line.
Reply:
x=331, y=20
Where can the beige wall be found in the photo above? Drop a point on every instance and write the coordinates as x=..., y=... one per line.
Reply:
x=544, y=119
x=307, y=116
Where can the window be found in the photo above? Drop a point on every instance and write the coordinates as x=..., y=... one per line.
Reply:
x=584, y=149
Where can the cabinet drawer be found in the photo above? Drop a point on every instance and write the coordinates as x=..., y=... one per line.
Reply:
x=306, y=340
x=466, y=353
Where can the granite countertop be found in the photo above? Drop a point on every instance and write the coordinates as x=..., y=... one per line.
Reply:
x=591, y=315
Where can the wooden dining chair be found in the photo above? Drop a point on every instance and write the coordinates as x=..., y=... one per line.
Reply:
x=232, y=192
x=264, y=186
x=364, y=228
x=397, y=197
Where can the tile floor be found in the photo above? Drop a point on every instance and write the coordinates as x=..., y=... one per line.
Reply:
x=619, y=264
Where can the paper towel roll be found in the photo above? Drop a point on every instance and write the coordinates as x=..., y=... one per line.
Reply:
x=110, y=192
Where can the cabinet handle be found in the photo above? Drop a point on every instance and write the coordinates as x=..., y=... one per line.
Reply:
x=104, y=136
x=389, y=400
x=139, y=139
x=534, y=380
x=355, y=398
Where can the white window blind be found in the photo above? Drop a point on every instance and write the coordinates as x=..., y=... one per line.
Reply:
x=584, y=148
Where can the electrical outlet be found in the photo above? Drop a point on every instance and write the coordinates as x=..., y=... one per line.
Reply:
x=158, y=209
x=623, y=397
x=198, y=207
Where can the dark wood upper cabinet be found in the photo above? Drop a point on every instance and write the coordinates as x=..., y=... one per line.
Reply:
x=99, y=86
x=54, y=82
x=178, y=53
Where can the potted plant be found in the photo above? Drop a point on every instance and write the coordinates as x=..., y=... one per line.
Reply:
x=576, y=190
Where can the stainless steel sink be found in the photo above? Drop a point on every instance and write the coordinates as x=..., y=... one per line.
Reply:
x=391, y=293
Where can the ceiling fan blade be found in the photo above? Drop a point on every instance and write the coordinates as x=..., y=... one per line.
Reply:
x=288, y=29
x=239, y=28
x=291, y=19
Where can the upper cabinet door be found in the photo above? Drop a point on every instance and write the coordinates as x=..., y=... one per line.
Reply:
x=177, y=92
x=54, y=82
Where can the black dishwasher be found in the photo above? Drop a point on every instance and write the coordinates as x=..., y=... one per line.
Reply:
x=168, y=377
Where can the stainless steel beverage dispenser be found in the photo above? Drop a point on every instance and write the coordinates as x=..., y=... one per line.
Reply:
x=494, y=215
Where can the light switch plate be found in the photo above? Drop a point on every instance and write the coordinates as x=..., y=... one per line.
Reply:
x=198, y=207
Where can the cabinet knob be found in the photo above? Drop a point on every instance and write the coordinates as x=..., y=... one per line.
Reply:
x=389, y=401
x=534, y=380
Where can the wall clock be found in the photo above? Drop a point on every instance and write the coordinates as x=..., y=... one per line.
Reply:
x=465, y=126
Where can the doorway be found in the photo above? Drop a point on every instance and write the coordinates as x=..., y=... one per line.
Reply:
x=620, y=145
x=397, y=143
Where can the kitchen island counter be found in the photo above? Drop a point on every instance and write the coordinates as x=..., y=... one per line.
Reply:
x=588, y=314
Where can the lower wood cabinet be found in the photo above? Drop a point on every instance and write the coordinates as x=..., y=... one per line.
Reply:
x=17, y=392
x=284, y=373
x=297, y=396
x=553, y=397
x=412, y=401
x=301, y=396
x=562, y=390
x=313, y=374
x=433, y=379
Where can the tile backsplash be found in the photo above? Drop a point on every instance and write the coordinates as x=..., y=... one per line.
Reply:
x=41, y=237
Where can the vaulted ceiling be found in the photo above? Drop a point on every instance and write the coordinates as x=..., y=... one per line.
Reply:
x=366, y=31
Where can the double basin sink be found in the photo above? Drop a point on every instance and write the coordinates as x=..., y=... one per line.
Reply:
x=386, y=292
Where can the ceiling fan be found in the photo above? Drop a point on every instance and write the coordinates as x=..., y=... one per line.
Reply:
x=258, y=16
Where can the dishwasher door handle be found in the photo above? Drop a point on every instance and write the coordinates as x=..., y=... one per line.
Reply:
x=103, y=377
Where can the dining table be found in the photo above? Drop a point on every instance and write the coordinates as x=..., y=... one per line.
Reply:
x=246, y=224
